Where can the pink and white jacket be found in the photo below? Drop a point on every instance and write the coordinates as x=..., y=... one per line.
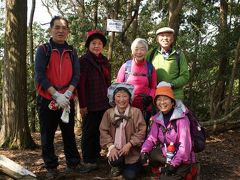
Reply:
x=181, y=138
x=141, y=84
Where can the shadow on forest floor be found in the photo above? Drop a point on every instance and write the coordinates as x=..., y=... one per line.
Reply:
x=220, y=159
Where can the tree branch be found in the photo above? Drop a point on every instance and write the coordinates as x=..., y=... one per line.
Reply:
x=221, y=120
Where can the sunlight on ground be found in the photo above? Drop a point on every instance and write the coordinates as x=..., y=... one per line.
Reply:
x=214, y=139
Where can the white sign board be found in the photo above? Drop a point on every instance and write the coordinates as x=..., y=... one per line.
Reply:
x=114, y=25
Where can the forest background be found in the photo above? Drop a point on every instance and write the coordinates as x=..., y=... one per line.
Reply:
x=206, y=31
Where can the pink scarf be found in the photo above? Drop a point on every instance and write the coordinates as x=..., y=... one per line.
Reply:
x=120, y=137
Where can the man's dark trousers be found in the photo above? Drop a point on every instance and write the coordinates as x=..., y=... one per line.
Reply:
x=49, y=121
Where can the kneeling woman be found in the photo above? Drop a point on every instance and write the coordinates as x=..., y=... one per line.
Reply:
x=122, y=132
x=170, y=126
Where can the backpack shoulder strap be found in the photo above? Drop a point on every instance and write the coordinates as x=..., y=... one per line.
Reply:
x=178, y=52
x=149, y=72
x=165, y=130
x=70, y=47
x=128, y=66
x=174, y=125
x=152, y=54
x=48, y=50
x=72, y=50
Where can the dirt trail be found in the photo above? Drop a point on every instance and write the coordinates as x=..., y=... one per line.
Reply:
x=220, y=160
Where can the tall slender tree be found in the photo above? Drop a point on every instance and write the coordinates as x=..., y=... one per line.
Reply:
x=219, y=91
x=112, y=37
x=175, y=8
x=231, y=84
x=32, y=113
x=14, y=128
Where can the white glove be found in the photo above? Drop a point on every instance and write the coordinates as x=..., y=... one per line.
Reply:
x=68, y=94
x=61, y=100
x=163, y=83
x=65, y=114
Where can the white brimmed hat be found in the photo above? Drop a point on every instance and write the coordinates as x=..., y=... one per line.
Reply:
x=114, y=86
x=164, y=29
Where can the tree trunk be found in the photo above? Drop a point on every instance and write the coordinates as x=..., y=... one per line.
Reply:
x=112, y=36
x=80, y=8
x=135, y=21
x=239, y=85
x=96, y=14
x=132, y=11
x=218, y=93
x=231, y=83
x=175, y=7
x=193, y=66
x=32, y=113
x=14, y=129
x=110, y=45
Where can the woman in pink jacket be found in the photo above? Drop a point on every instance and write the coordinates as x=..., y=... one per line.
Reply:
x=142, y=75
x=170, y=125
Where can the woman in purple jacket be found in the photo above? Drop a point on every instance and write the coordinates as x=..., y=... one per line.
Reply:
x=170, y=124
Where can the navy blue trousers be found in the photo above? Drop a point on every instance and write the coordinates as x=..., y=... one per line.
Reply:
x=130, y=171
x=49, y=121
